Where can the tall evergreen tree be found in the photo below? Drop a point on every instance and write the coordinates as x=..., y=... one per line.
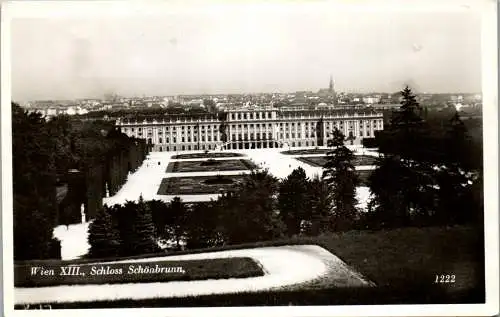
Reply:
x=250, y=214
x=320, y=202
x=202, y=226
x=144, y=229
x=293, y=200
x=341, y=177
x=177, y=213
x=103, y=236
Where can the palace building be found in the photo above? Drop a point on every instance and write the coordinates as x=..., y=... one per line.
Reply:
x=254, y=129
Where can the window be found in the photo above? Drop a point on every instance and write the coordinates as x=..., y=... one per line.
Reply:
x=160, y=140
x=209, y=138
x=269, y=115
x=182, y=140
x=189, y=139
x=232, y=116
x=132, y=129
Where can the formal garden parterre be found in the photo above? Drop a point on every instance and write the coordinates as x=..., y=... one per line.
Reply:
x=210, y=165
x=206, y=155
x=199, y=184
x=320, y=161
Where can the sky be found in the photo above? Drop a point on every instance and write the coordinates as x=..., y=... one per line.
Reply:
x=245, y=51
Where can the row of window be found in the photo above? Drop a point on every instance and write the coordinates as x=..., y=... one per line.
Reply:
x=186, y=147
x=252, y=136
x=251, y=115
x=188, y=139
x=182, y=128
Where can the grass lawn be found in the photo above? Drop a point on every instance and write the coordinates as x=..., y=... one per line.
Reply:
x=206, y=155
x=402, y=262
x=411, y=257
x=306, y=151
x=320, y=161
x=130, y=272
x=210, y=166
x=198, y=184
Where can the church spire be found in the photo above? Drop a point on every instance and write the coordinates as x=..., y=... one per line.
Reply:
x=331, y=84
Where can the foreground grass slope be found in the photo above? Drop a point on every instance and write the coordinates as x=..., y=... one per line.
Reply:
x=402, y=263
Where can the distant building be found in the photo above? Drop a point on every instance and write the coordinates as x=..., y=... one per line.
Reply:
x=254, y=129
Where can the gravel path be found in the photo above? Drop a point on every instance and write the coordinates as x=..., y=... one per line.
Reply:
x=283, y=266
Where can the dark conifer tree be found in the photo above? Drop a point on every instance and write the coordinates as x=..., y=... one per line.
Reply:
x=177, y=213
x=293, y=200
x=144, y=229
x=320, y=202
x=341, y=177
x=103, y=236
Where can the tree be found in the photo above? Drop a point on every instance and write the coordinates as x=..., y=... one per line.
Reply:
x=293, y=200
x=177, y=213
x=144, y=229
x=250, y=213
x=339, y=173
x=320, y=206
x=159, y=211
x=202, y=226
x=103, y=236
x=34, y=185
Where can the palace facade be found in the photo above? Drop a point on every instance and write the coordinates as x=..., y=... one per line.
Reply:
x=254, y=129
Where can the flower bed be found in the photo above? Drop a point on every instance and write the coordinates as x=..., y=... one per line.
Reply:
x=210, y=166
x=306, y=151
x=198, y=184
x=206, y=155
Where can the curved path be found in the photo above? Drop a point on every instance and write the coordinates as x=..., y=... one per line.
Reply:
x=283, y=266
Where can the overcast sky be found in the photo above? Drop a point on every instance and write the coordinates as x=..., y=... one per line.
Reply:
x=245, y=51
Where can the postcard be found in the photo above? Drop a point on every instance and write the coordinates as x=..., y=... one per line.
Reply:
x=308, y=158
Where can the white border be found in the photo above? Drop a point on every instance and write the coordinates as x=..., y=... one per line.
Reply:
x=68, y=9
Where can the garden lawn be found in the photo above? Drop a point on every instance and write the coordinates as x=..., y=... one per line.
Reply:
x=306, y=151
x=411, y=257
x=186, y=270
x=210, y=166
x=199, y=184
x=320, y=161
x=206, y=155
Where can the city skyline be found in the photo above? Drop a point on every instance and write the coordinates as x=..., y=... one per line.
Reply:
x=255, y=50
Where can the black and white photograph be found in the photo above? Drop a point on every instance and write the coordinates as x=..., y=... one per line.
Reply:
x=317, y=158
